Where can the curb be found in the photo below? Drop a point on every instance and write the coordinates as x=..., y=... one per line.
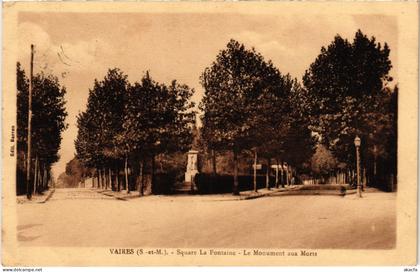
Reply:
x=114, y=196
x=297, y=191
x=126, y=198
x=351, y=192
x=258, y=195
x=283, y=191
x=50, y=193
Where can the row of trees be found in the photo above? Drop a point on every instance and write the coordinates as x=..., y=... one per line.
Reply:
x=250, y=106
x=48, y=123
x=250, y=109
x=349, y=94
x=126, y=126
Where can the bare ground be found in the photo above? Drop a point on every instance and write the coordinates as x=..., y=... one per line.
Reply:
x=82, y=217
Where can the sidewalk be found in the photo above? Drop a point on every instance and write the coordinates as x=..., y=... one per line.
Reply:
x=265, y=192
x=36, y=198
x=244, y=195
x=121, y=195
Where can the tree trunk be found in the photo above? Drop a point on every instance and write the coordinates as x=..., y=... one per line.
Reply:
x=152, y=182
x=36, y=174
x=97, y=179
x=277, y=173
x=111, y=183
x=49, y=180
x=363, y=178
x=213, y=158
x=255, y=170
x=100, y=179
x=235, y=173
x=98, y=172
x=41, y=178
x=117, y=177
x=44, y=179
x=142, y=166
x=337, y=175
x=161, y=162
x=103, y=180
x=104, y=177
x=282, y=175
x=267, y=174
x=346, y=176
x=126, y=175
x=108, y=178
x=374, y=162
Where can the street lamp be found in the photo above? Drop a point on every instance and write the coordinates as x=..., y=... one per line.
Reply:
x=357, y=143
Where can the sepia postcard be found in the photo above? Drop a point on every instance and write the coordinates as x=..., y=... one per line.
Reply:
x=209, y=133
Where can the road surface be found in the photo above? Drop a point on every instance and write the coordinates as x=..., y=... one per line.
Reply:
x=82, y=217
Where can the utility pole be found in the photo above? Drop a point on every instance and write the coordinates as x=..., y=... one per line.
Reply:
x=28, y=164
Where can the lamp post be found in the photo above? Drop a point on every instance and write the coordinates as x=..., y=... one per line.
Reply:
x=357, y=143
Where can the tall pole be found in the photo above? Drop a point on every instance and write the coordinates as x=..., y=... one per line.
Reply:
x=359, y=191
x=255, y=171
x=357, y=144
x=28, y=163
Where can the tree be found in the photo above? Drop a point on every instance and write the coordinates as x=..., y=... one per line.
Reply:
x=22, y=85
x=97, y=143
x=48, y=123
x=272, y=121
x=299, y=141
x=125, y=125
x=348, y=89
x=157, y=120
x=74, y=174
x=323, y=162
x=243, y=102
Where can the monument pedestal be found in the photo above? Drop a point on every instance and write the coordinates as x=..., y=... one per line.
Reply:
x=192, y=170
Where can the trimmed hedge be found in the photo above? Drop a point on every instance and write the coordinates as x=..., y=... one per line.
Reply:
x=218, y=184
x=163, y=183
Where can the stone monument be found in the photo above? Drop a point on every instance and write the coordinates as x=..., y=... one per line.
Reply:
x=192, y=170
x=192, y=166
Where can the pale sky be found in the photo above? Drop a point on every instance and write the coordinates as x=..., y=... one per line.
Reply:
x=79, y=47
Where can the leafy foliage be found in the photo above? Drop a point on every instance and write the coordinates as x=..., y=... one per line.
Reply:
x=347, y=86
x=133, y=123
x=248, y=104
x=48, y=121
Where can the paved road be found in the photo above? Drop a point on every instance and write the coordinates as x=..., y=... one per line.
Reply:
x=81, y=217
